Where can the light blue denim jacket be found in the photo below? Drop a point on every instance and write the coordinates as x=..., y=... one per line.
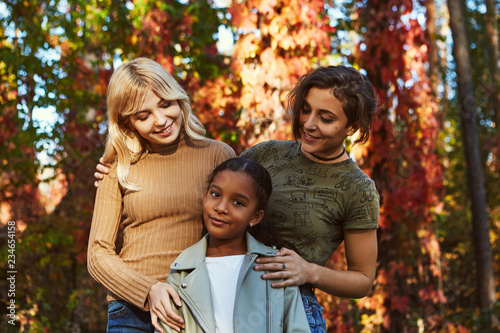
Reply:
x=258, y=307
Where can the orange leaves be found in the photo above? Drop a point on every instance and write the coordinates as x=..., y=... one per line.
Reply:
x=404, y=166
x=242, y=16
x=247, y=47
x=277, y=42
x=215, y=105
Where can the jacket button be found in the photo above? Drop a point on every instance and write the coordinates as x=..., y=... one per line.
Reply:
x=184, y=285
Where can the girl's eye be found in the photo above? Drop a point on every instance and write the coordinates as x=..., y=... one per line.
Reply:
x=214, y=194
x=239, y=203
x=326, y=120
x=305, y=110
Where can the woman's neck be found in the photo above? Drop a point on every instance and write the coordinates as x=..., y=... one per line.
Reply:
x=161, y=148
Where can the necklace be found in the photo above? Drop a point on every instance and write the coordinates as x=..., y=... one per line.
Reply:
x=329, y=159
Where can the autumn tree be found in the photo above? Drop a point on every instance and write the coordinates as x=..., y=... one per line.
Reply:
x=494, y=55
x=276, y=43
x=401, y=156
x=480, y=227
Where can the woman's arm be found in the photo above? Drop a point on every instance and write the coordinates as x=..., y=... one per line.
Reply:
x=355, y=282
x=108, y=269
x=103, y=262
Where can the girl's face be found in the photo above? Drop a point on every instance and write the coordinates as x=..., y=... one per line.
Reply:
x=229, y=207
x=322, y=124
x=158, y=121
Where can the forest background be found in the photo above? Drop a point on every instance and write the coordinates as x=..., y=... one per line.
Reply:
x=56, y=58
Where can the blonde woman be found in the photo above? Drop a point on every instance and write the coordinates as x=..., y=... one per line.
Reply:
x=160, y=164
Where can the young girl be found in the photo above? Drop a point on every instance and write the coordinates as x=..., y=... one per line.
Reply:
x=215, y=278
x=161, y=163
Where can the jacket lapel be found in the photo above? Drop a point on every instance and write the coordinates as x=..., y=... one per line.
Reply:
x=194, y=285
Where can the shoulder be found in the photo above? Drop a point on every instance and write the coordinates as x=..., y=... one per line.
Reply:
x=191, y=257
x=211, y=146
x=275, y=144
x=223, y=147
x=361, y=175
x=254, y=246
x=266, y=146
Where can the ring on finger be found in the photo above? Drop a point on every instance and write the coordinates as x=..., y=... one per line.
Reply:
x=284, y=266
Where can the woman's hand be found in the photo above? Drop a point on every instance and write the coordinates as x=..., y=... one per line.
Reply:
x=287, y=265
x=102, y=169
x=160, y=306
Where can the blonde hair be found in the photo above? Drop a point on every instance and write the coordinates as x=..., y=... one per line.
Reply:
x=127, y=90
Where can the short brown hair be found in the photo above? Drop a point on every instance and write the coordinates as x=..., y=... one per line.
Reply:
x=349, y=86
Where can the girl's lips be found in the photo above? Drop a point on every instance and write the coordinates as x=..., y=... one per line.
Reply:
x=217, y=222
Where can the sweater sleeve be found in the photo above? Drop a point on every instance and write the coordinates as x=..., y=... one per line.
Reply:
x=104, y=264
x=225, y=153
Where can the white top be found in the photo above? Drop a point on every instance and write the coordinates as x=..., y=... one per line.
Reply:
x=223, y=273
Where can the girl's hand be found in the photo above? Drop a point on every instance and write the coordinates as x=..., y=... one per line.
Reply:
x=287, y=265
x=102, y=169
x=160, y=306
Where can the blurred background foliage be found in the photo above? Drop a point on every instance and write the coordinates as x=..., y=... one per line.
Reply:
x=238, y=60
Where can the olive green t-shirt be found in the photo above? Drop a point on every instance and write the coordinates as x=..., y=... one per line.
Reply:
x=312, y=203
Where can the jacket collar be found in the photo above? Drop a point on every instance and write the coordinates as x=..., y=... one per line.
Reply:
x=194, y=255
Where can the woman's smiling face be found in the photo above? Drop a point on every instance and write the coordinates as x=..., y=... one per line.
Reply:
x=322, y=124
x=158, y=121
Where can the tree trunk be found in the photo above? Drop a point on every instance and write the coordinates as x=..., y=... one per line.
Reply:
x=430, y=7
x=433, y=58
x=480, y=227
x=494, y=55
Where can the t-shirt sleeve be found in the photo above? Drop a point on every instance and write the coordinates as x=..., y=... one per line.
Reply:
x=363, y=207
x=104, y=264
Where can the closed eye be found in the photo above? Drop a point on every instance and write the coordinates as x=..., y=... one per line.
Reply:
x=165, y=104
x=142, y=116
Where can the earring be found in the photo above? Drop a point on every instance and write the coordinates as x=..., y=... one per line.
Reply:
x=251, y=225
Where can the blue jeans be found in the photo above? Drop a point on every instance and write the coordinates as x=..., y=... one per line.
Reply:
x=124, y=317
x=314, y=311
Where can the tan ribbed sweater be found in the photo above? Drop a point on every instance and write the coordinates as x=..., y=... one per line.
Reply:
x=159, y=221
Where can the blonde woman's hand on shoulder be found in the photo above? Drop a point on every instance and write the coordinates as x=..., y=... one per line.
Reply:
x=161, y=309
